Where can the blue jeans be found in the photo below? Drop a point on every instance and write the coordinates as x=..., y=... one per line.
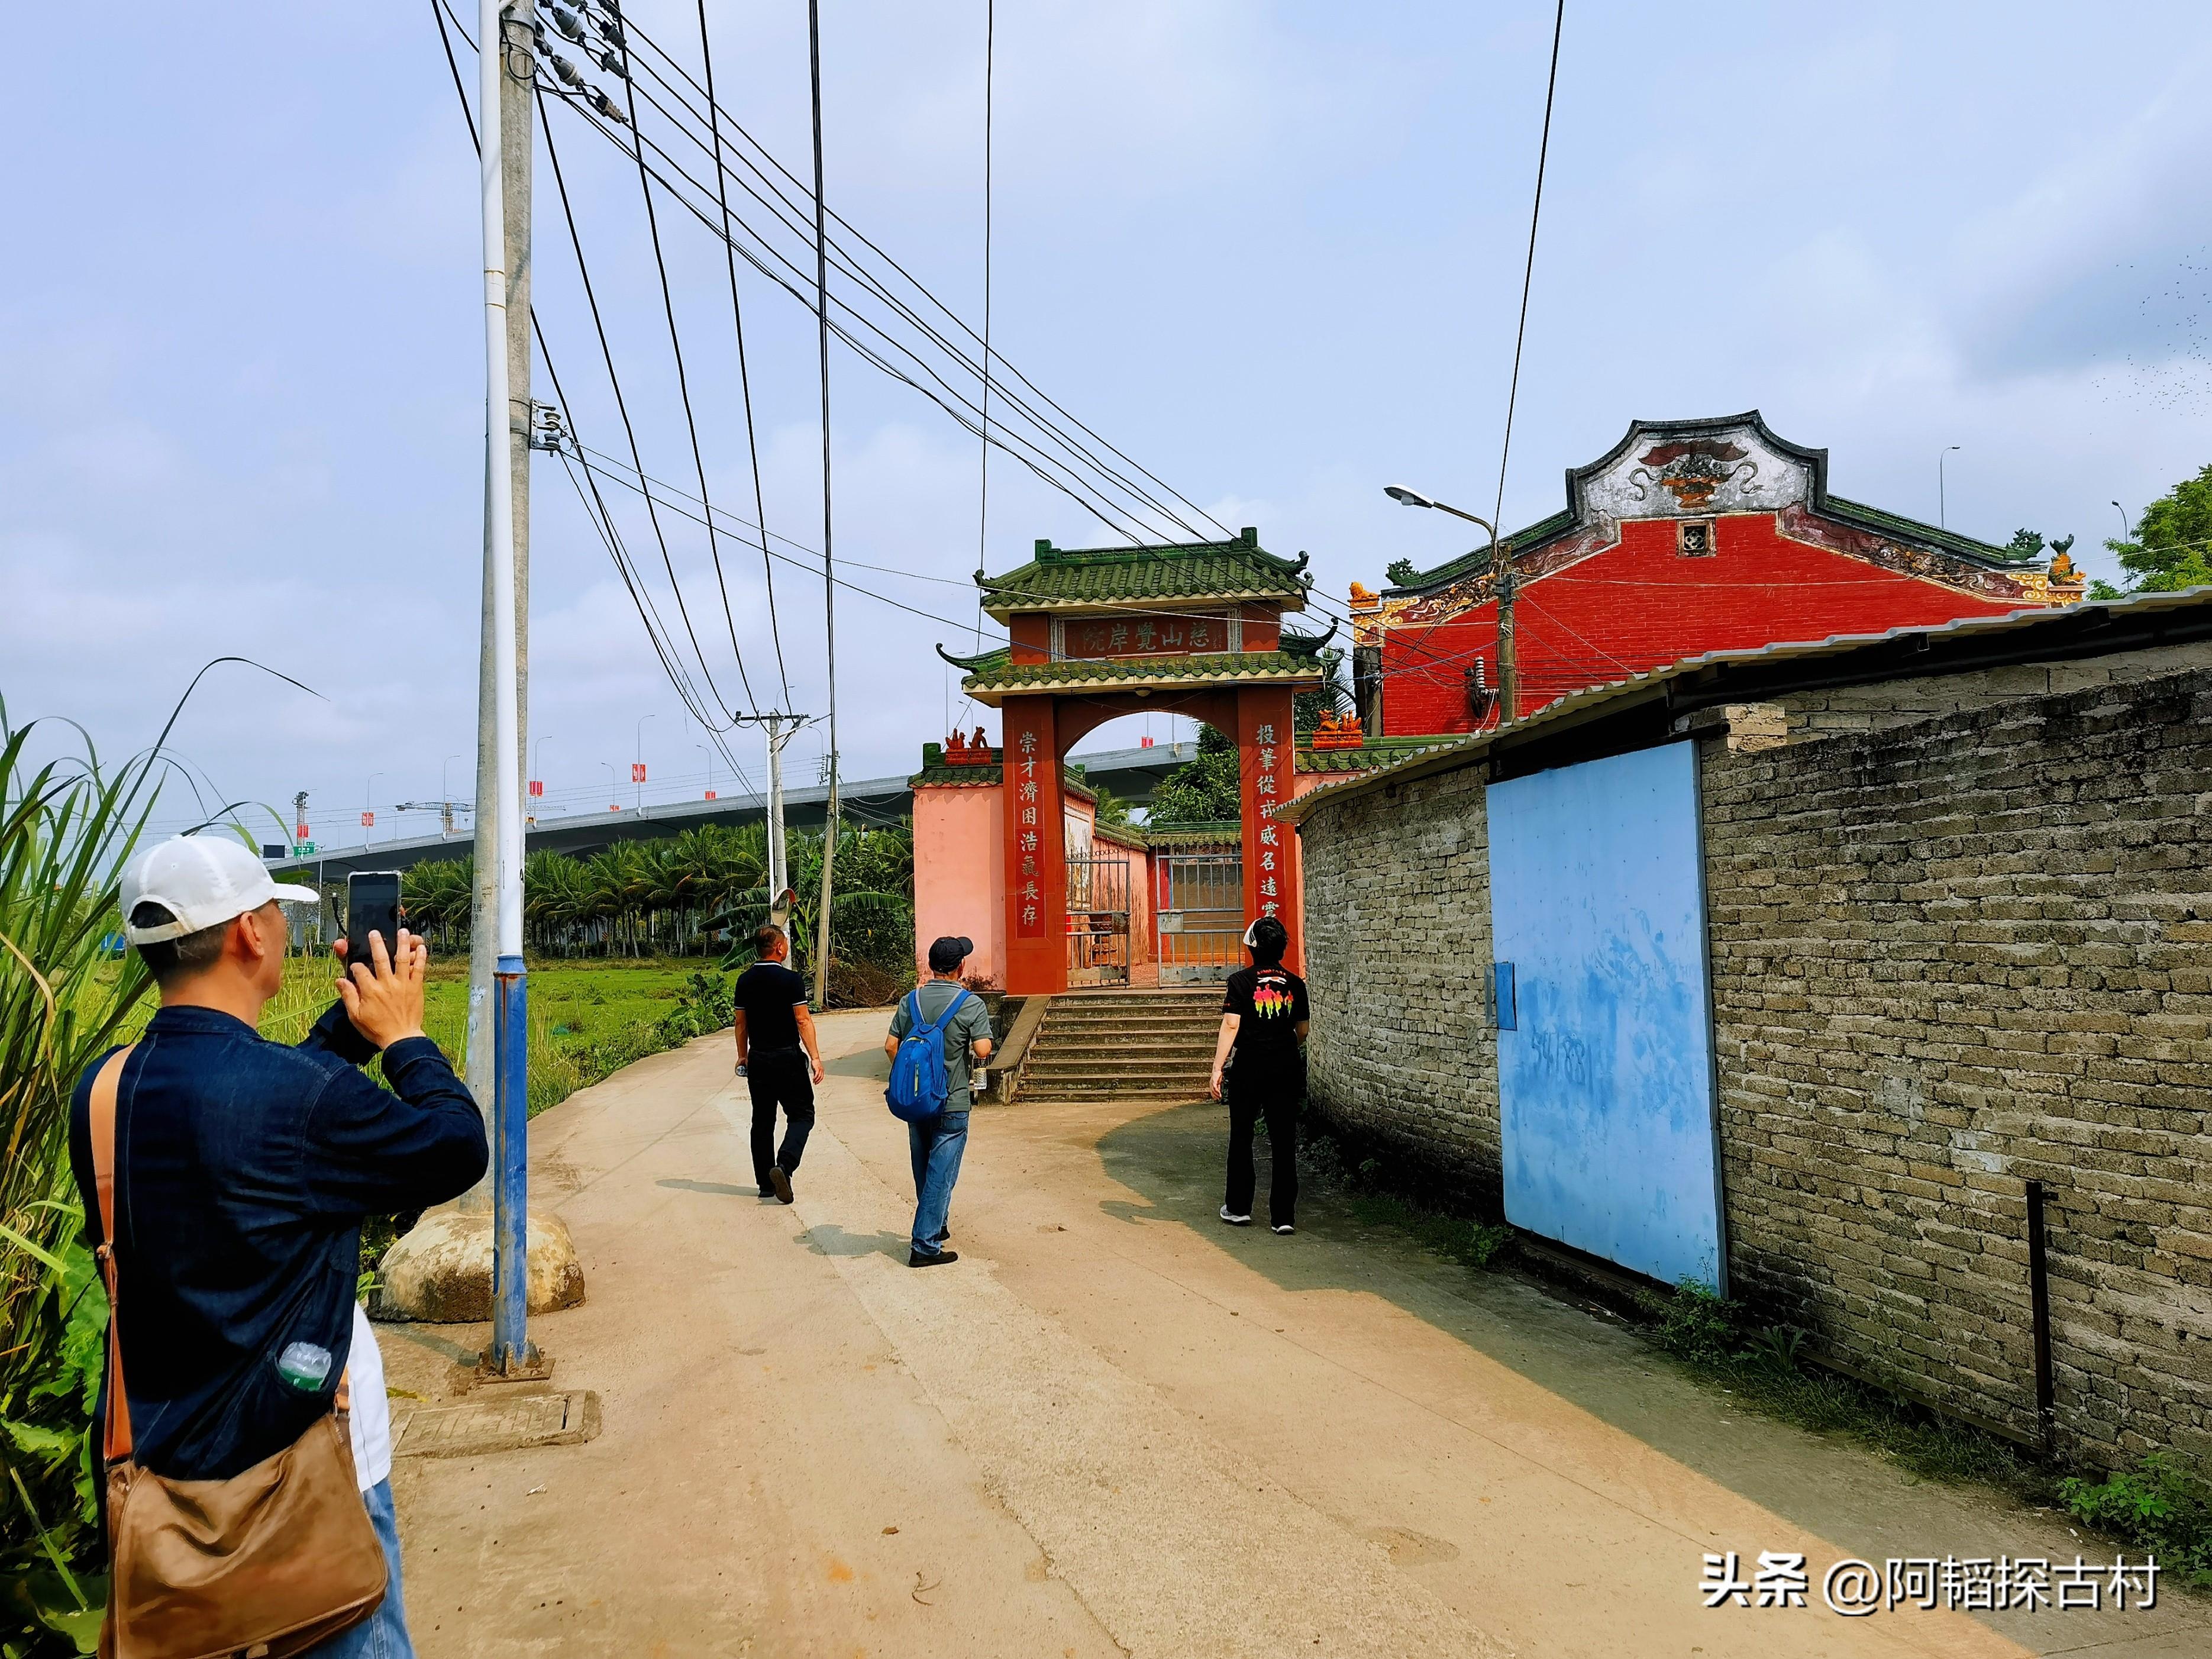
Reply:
x=383, y=1634
x=936, y=1144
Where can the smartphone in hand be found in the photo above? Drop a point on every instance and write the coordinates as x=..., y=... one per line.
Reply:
x=372, y=906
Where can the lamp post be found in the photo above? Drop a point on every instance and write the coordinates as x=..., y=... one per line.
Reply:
x=446, y=799
x=1509, y=665
x=2127, y=530
x=1942, y=511
x=612, y=785
x=641, y=763
x=709, y=754
x=536, y=785
x=367, y=812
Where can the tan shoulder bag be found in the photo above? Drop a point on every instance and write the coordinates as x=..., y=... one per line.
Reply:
x=259, y=1566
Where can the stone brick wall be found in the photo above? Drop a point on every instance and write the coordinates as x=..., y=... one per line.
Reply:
x=1397, y=906
x=1948, y=958
x=1826, y=714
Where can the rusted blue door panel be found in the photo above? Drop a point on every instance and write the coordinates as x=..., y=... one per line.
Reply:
x=1605, y=1078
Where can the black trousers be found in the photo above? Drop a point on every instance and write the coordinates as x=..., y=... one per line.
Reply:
x=782, y=1078
x=1261, y=1086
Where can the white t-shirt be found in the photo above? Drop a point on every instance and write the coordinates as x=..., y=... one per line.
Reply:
x=370, y=1417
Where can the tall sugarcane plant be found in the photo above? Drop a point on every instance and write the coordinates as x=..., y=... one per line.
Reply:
x=66, y=828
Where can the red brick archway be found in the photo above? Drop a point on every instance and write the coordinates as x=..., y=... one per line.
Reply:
x=1040, y=729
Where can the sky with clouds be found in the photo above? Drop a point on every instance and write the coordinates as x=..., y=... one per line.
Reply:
x=1273, y=252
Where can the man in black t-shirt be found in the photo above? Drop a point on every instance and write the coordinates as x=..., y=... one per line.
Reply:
x=1263, y=1020
x=780, y=1059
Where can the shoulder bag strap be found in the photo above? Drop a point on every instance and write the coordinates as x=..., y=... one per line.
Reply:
x=104, y=1088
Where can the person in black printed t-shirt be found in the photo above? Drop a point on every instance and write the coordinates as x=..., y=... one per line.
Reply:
x=1263, y=1021
x=780, y=1059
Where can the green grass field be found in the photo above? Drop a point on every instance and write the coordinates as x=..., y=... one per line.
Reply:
x=588, y=1019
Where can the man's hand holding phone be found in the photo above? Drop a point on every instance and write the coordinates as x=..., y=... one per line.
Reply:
x=383, y=995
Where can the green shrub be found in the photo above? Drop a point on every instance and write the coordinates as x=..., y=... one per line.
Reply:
x=2154, y=1505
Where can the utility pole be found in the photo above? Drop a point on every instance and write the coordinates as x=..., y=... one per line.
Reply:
x=516, y=137
x=779, y=729
x=507, y=68
x=829, y=577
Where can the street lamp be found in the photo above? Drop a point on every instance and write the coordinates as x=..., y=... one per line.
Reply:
x=537, y=782
x=641, y=763
x=612, y=785
x=709, y=754
x=1942, y=514
x=446, y=799
x=367, y=812
x=2127, y=530
x=1509, y=664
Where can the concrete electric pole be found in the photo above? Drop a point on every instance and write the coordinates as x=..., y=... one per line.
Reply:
x=517, y=133
x=779, y=729
x=485, y=1256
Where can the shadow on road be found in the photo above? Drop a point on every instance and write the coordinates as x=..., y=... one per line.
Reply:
x=718, y=1188
x=830, y=1239
x=1174, y=1159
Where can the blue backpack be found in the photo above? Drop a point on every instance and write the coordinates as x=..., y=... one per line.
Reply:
x=919, y=1087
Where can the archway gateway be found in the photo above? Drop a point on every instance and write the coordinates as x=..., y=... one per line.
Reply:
x=1193, y=628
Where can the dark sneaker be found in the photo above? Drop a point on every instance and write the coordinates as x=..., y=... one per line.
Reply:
x=1234, y=1220
x=767, y=1191
x=1283, y=1227
x=781, y=1183
x=943, y=1238
x=935, y=1259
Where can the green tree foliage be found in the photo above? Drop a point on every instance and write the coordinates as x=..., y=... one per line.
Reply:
x=1202, y=790
x=680, y=895
x=2173, y=548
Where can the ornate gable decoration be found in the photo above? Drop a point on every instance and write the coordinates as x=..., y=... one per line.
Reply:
x=1696, y=470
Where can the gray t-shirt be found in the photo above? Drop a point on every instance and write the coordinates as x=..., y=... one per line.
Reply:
x=971, y=1024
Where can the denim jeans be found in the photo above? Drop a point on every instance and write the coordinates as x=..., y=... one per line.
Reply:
x=937, y=1144
x=383, y=1634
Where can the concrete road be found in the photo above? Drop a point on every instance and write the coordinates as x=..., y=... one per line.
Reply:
x=1114, y=1427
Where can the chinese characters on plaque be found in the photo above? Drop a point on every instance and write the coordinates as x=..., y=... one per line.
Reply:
x=1028, y=852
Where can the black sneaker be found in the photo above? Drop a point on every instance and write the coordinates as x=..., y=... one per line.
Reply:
x=937, y=1258
x=781, y=1183
x=767, y=1191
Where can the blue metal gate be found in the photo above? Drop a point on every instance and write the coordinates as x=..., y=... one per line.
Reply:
x=1605, y=1066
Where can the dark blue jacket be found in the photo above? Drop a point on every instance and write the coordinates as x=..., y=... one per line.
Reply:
x=243, y=1171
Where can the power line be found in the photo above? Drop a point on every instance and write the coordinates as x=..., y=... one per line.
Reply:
x=683, y=392
x=744, y=377
x=916, y=284
x=621, y=404
x=647, y=613
x=788, y=213
x=1529, y=274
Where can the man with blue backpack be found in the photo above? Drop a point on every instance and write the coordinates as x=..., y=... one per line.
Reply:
x=937, y=1026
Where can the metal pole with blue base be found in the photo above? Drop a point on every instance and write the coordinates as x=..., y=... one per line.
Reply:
x=510, y=1354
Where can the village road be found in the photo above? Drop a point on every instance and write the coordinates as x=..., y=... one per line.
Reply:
x=1114, y=1427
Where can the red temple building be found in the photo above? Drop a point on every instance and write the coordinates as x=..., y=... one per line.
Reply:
x=1689, y=536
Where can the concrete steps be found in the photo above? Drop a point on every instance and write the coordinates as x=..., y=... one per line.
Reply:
x=1126, y=1045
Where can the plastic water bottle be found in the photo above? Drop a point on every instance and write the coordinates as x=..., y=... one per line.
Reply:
x=306, y=1366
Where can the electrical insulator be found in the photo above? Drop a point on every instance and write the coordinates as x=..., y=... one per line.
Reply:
x=614, y=33
x=611, y=62
x=568, y=23
x=606, y=107
x=568, y=71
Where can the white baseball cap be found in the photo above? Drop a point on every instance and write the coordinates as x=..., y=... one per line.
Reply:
x=202, y=881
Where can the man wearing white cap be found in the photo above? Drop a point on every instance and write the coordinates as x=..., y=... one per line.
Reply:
x=243, y=1169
